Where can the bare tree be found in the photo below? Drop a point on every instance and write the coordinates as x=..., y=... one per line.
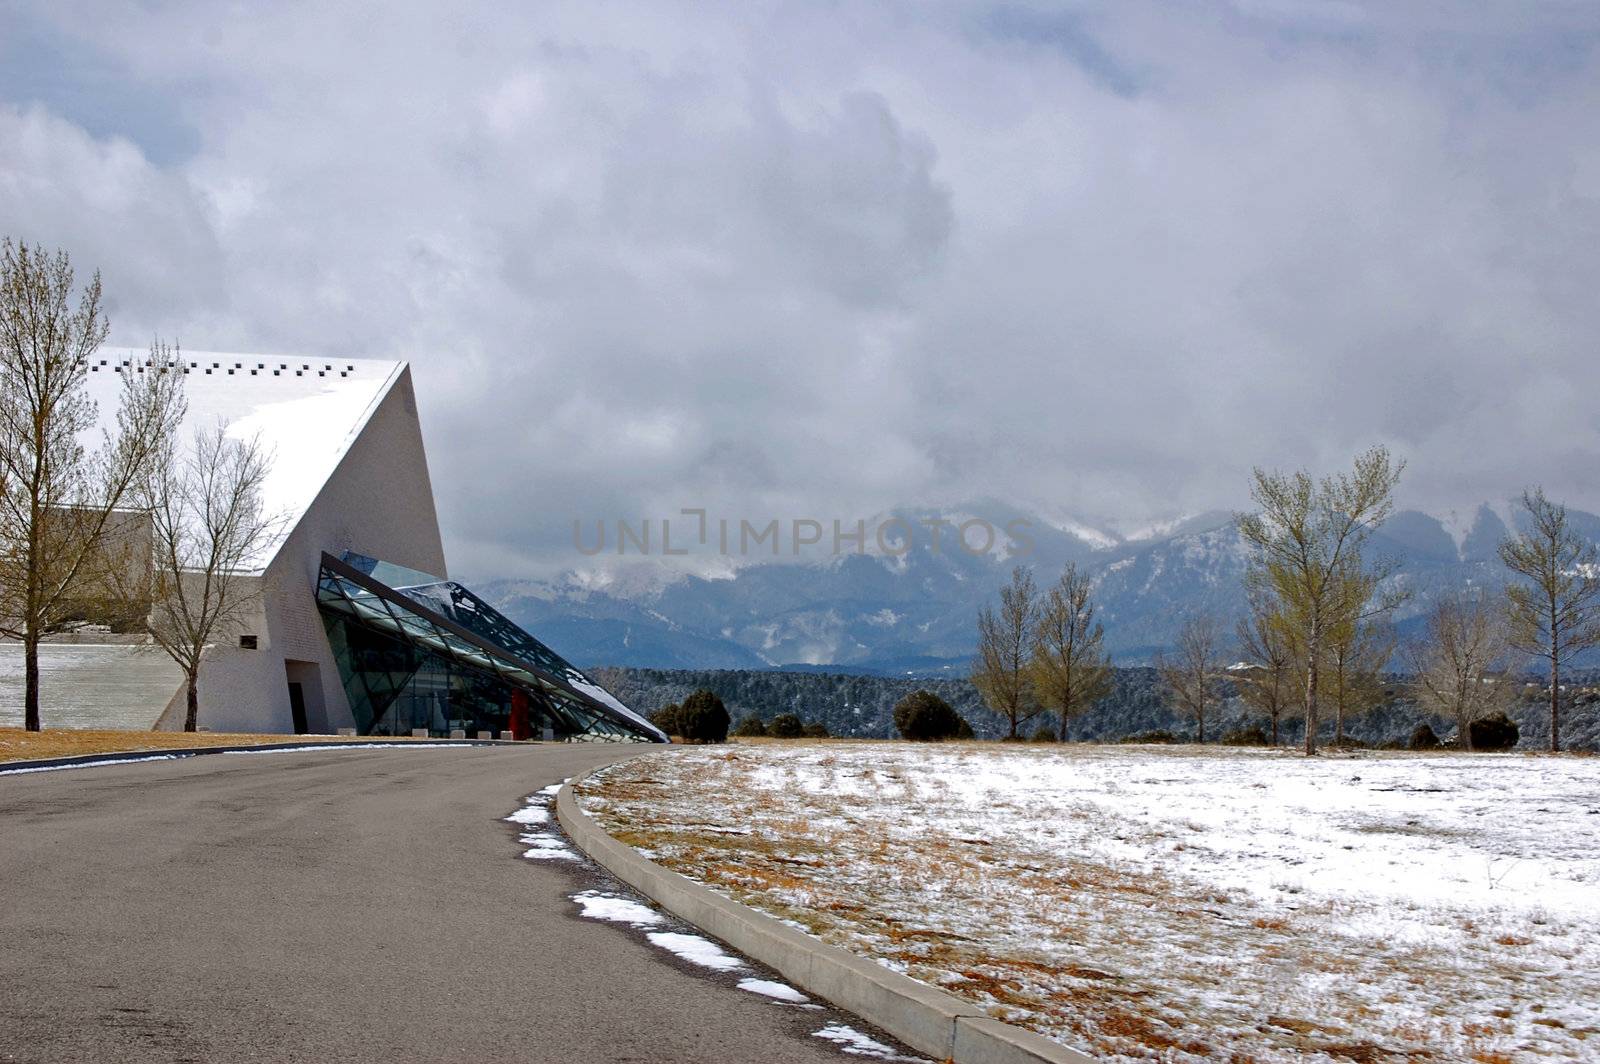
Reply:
x=1460, y=663
x=1192, y=673
x=1267, y=645
x=1069, y=669
x=1358, y=646
x=1307, y=539
x=207, y=527
x=1557, y=612
x=59, y=502
x=1005, y=645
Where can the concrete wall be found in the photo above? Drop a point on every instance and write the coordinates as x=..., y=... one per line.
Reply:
x=379, y=502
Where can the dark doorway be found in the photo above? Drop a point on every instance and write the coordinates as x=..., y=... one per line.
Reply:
x=297, y=707
x=309, y=712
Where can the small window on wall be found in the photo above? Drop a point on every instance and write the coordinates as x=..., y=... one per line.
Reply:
x=247, y=642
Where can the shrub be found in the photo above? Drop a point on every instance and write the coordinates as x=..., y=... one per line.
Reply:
x=703, y=718
x=924, y=716
x=1494, y=732
x=667, y=719
x=817, y=730
x=1043, y=734
x=1160, y=735
x=785, y=726
x=963, y=729
x=1256, y=736
x=1423, y=738
x=751, y=727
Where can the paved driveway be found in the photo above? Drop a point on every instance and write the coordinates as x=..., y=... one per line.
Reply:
x=357, y=905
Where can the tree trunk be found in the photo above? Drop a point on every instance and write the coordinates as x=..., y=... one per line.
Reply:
x=191, y=719
x=1555, y=703
x=30, y=679
x=1200, y=725
x=1311, y=699
x=1338, y=711
x=1275, y=729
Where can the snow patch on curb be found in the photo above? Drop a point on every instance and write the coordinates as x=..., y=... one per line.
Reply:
x=849, y=1040
x=777, y=991
x=695, y=950
x=600, y=906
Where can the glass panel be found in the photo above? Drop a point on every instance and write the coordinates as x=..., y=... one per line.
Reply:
x=403, y=670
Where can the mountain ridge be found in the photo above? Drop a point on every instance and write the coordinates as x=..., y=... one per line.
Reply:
x=914, y=613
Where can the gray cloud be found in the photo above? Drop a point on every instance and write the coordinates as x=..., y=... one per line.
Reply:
x=809, y=260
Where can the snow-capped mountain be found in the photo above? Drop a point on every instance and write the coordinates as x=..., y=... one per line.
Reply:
x=915, y=611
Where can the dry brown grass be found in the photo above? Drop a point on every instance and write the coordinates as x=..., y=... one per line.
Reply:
x=19, y=745
x=831, y=854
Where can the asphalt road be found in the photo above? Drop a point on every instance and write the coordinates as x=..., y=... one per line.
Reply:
x=358, y=905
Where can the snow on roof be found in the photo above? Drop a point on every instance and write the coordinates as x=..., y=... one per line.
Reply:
x=305, y=411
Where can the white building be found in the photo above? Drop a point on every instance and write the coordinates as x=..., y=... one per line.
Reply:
x=358, y=625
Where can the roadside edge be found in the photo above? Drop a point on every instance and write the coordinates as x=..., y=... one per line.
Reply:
x=924, y=1018
x=174, y=753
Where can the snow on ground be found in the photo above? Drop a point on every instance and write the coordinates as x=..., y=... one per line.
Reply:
x=542, y=845
x=695, y=950
x=774, y=990
x=851, y=1041
x=1175, y=904
x=597, y=905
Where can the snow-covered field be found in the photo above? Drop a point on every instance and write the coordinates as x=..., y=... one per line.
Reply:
x=1174, y=904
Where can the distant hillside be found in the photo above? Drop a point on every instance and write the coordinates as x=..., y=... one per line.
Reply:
x=863, y=706
x=914, y=614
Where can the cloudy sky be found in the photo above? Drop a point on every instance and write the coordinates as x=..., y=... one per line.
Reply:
x=813, y=259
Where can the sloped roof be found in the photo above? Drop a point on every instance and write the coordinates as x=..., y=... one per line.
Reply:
x=307, y=412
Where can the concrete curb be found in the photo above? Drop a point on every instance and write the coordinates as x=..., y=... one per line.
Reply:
x=113, y=757
x=928, y=1020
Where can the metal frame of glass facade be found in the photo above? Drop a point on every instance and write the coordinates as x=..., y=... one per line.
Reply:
x=406, y=664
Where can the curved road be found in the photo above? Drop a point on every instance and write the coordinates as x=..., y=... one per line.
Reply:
x=357, y=905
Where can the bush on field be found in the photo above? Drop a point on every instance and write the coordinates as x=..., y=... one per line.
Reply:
x=1256, y=736
x=1423, y=738
x=1043, y=734
x=786, y=726
x=1494, y=732
x=667, y=719
x=924, y=716
x=751, y=727
x=817, y=730
x=703, y=718
x=1160, y=735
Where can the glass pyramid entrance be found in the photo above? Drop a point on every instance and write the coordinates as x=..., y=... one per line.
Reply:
x=415, y=651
